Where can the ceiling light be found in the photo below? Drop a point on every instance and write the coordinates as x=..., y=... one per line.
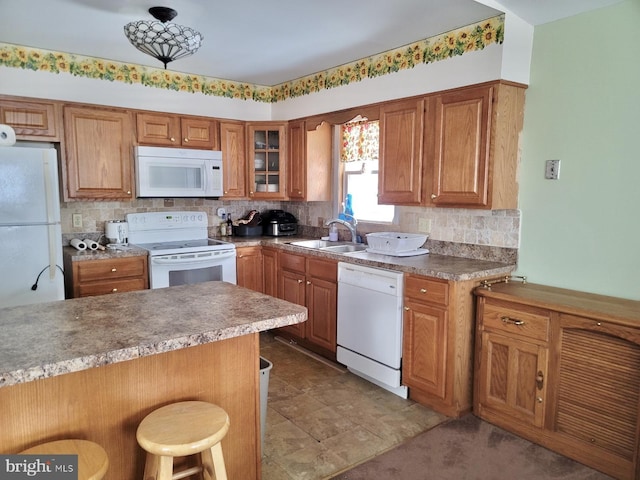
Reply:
x=165, y=41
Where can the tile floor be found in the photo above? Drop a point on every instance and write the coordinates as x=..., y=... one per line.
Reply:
x=322, y=420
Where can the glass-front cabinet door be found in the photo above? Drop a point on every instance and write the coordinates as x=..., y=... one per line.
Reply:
x=267, y=160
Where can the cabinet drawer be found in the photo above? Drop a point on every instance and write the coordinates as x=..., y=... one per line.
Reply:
x=292, y=262
x=516, y=319
x=106, y=269
x=326, y=270
x=426, y=290
x=119, y=286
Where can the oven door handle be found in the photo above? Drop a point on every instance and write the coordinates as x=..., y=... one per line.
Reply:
x=201, y=259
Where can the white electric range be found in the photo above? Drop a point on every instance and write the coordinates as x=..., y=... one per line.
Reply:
x=180, y=251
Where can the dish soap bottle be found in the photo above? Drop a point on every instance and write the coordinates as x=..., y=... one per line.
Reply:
x=333, y=233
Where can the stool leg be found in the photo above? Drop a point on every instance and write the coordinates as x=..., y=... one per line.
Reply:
x=213, y=463
x=158, y=467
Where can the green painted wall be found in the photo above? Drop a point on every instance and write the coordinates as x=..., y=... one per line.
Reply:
x=583, y=107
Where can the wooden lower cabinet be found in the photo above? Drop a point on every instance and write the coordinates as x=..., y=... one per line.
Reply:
x=105, y=276
x=249, y=269
x=437, y=351
x=312, y=282
x=562, y=369
x=270, y=270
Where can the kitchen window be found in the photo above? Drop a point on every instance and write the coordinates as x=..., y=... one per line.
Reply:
x=359, y=153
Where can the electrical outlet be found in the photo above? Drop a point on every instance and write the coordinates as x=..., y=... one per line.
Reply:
x=552, y=170
x=77, y=220
x=424, y=225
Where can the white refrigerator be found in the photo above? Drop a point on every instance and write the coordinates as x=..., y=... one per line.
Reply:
x=30, y=232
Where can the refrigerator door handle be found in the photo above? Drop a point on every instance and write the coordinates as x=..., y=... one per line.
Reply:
x=51, y=230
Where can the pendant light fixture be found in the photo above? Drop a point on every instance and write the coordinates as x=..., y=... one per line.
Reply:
x=165, y=41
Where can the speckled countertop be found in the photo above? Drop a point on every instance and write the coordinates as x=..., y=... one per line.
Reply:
x=445, y=267
x=78, y=256
x=49, y=339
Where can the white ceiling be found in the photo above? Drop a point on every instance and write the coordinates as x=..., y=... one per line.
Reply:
x=265, y=42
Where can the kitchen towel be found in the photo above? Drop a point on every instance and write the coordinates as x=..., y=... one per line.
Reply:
x=91, y=245
x=7, y=135
x=78, y=244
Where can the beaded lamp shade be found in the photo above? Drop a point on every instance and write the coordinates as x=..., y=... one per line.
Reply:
x=165, y=41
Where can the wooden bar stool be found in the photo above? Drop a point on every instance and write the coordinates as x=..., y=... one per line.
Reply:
x=92, y=459
x=181, y=429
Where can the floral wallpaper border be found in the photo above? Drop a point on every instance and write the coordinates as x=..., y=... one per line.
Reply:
x=450, y=44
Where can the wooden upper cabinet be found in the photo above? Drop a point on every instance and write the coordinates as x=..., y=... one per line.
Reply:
x=475, y=146
x=234, y=160
x=462, y=147
x=267, y=160
x=309, y=169
x=401, y=158
x=31, y=120
x=176, y=131
x=99, y=153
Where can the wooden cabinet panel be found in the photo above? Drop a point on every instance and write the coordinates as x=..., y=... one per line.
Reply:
x=234, y=161
x=401, y=157
x=199, y=133
x=270, y=271
x=426, y=290
x=311, y=282
x=424, y=348
x=98, y=154
x=249, y=268
x=168, y=130
x=309, y=168
x=267, y=160
x=462, y=121
x=32, y=120
x=104, y=276
x=322, y=298
x=517, y=320
x=512, y=378
x=158, y=129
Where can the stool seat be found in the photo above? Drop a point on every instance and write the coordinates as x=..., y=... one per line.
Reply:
x=93, y=461
x=182, y=429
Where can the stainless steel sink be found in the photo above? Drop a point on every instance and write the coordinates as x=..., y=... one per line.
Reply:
x=312, y=243
x=347, y=248
x=335, y=247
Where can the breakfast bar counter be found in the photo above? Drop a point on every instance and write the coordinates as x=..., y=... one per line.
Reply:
x=93, y=367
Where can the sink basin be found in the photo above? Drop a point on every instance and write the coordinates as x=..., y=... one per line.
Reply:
x=312, y=243
x=335, y=247
x=347, y=248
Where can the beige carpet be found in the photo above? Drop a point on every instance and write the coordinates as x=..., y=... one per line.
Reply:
x=470, y=449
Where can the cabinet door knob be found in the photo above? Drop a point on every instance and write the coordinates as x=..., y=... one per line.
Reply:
x=308, y=282
x=299, y=281
x=539, y=380
x=114, y=269
x=172, y=139
x=240, y=256
x=406, y=309
x=128, y=192
x=423, y=290
x=114, y=290
x=539, y=399
x=433, y=196
x=186, y=140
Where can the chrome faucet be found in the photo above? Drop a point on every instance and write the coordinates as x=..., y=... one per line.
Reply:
x=351, y=226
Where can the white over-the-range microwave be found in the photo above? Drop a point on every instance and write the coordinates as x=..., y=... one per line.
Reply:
x=178, y=172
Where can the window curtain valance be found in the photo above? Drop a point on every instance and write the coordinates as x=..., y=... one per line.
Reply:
x=360, y=141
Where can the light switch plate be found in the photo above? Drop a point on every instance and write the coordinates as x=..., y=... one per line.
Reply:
x=77, y=220
x=424, y=225
x=552, y=170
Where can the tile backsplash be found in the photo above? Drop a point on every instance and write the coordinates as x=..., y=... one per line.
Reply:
x=484, y=234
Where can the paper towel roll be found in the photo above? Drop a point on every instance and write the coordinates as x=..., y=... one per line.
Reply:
x=91, y=245
x=78, y=244
x=7, y=135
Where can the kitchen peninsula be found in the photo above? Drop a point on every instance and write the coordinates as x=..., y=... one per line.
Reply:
x=93, y=367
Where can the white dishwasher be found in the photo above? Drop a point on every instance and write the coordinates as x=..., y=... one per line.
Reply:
x=370, y=324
